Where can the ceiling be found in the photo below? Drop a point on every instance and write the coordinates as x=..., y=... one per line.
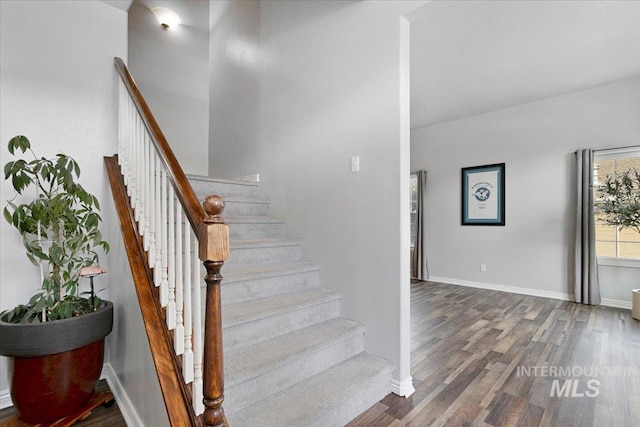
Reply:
x=472, y=57
x=119, y=4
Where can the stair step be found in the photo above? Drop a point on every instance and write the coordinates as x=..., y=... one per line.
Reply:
x=246, y=253
x=261, y=281
x=331, y=398
x=260, y=370
x=258, y=320
x=245, y=206
x=205, y=186
x=290, y=359
x=254, y=227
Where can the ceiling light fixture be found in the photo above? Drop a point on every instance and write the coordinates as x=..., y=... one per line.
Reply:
x=166, y=18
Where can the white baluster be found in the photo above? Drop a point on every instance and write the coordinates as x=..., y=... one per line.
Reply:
x=187, y=357
x=140, y=178
x=151, y=207
x=120, y=123
x=124, y=116
x=164, y=241
x=130, y=153
x=146, y=171
x=178, y=337
x=171, y=307
x=135, y=169
x=127, y=147
x=157, y=221
x=198, y=336
x=143, y=224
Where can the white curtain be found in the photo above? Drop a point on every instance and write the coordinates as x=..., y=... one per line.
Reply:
x=419, y=261
x=586, y=284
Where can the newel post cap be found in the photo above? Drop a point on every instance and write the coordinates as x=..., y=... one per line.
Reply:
x=213, y=233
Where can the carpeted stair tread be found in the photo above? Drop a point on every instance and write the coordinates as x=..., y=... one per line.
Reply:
x=262, y=251
x=209, y=179
x=237, y=205
x=331, y=398
x=204, y=186
x=251, y=311
x=263, y=243
x=247, y=362
x=237, y=198
x=253, y=220
x=232, y=275
x=242, y=283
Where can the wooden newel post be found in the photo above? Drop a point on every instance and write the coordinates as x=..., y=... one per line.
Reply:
x=213, y=237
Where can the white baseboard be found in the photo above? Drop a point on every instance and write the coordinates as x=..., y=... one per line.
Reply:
x=616, y=303
x=127, y=409
x=403, y=388
x=527, y=291
x=505, y=288
x=5, y=399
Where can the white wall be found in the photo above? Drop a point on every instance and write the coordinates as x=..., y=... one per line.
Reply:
x=58, y=87
x=235, y=61
x=536, y=141
x=132, y=373
x=171, y=67
x=330, y=88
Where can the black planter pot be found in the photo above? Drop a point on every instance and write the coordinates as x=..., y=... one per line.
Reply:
x=54, y=366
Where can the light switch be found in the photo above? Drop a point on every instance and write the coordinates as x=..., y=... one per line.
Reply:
x=355, y=164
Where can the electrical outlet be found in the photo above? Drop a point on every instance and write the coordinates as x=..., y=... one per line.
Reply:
x=483, y=267
x=355, y=164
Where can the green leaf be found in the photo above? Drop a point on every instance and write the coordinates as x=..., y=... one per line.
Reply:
x=7, y=169
x=64, y=214
x=7, y=215
x=20, y=142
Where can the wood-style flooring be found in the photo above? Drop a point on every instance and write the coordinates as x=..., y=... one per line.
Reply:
x=470, y=352
x=487, y=358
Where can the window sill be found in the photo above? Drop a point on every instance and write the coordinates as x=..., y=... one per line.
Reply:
x=619, y=262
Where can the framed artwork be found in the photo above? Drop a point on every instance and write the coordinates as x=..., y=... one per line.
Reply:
x=483, y=195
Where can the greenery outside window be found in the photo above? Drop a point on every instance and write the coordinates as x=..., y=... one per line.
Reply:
x=615, y=246
x=414, y=208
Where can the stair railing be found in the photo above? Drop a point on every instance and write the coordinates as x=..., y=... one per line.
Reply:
x=175, y=231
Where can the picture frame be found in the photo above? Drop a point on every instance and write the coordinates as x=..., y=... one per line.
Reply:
x=483, y=195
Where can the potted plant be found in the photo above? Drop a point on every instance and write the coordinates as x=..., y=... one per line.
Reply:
x=619, y=200
x=55, y=342
x=619, y=204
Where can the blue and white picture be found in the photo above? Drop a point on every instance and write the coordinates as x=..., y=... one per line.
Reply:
x=483, y=191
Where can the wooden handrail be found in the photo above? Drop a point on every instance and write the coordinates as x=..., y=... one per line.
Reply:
x=188, y=199
x=213, y=242
x=176, y=396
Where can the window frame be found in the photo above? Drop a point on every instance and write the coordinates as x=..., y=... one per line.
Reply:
x=412, y=178
x=613, y=154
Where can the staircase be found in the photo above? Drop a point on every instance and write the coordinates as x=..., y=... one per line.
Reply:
x=289, y=358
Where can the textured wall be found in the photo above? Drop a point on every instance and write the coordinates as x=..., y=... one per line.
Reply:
x=171, y=67
x=58, y=88
x=331, y=80
x=235, y=62
x=537, y=142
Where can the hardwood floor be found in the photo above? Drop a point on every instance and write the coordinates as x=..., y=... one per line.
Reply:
x=488, y=358
x=478, y=359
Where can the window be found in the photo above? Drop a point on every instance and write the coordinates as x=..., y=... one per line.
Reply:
x=414, y=207
x=615, y=246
